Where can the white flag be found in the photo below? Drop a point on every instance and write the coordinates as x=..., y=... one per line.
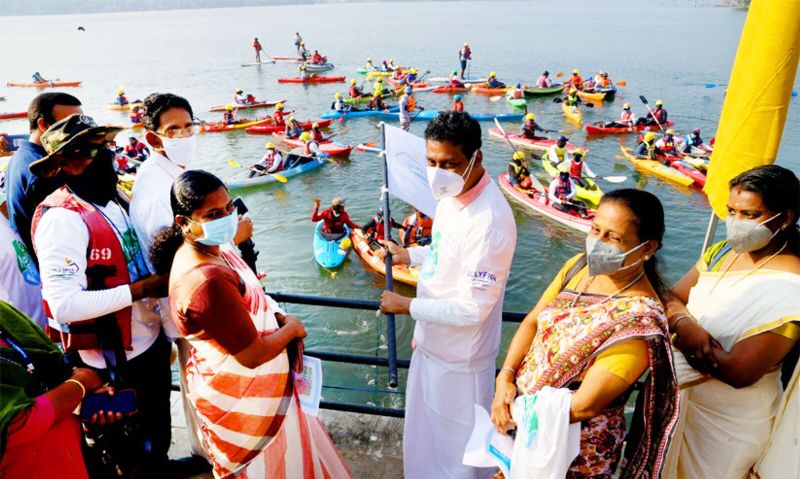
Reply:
x=407, y=167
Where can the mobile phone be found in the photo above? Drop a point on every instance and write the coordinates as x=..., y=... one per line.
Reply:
x=123, y=401
x=241, y=208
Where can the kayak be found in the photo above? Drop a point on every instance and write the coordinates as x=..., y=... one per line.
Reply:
x=599, y=129
x=465, y=80
x=657, y=168
x=539, y=203
x=698, y=163
x=45, y=84
x=536, y=91
x=687, y=169
x=404, y=274
x=357, y=113
x=370, y=147
x=572, y=113
x=451, y=89
x=591, y=97
x=288, y=59
x=333, y=148
x=375, y=73
x=590, y=195
x=9, y=116
x=118, y=107
x=527, y=143
x=609, y=91
x=319, y=67
x=517, y=102
x=233, y=183
x=488, y=91
x=218, y=127
x=270, y=129
x=315, y=79
x=430, y=115
x=331, y=253
x=362, y=100
x=248, y=106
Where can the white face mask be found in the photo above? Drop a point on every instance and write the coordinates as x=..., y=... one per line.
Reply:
x=745, y=236
x=181, y=151
x=445, y=183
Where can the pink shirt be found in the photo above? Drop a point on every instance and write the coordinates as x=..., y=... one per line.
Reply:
x=467, y=197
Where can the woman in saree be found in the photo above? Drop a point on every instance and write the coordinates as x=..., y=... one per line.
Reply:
x=596, y=329
x=243, y=347
x=735, y=317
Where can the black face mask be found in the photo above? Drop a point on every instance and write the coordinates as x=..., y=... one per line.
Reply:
x=98, y=183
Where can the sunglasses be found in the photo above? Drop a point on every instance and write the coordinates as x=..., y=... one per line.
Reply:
x=174, y=133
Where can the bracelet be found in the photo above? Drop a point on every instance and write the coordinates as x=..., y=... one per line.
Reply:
x=512, y=371
x=80, y=385
x=678, y=320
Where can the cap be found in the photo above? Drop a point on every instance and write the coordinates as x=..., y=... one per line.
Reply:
x=315, y=125
x=353, y=81
x=563, y=138
x=492, y=74
x=337, y=95
x=68, y=132
x=239, y=90
x=576, y=72
x=120, y=91
x=546, y=72
x=578, y=152
x=626, y=106
x=229, y=107
x=338, y=201
x=457, y=97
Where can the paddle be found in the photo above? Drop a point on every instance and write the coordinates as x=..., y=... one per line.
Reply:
x=621, y=83
x=714, y=85
x=644, y=100
x=277, y=176
x=537, y=185
x=559, y=74
x=612, y=179
x=586, y=104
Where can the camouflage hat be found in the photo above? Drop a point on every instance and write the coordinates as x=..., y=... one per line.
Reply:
x=68, y=132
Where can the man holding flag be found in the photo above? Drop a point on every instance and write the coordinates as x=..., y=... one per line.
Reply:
x=459, y=303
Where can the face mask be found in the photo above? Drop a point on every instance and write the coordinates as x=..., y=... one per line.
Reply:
x=603, y=258
x=98, y=182
x=446, y=184
x=181, y=151
x=219, y=231
x=745, y=236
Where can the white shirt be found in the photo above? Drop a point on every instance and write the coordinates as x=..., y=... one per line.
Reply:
x=240, y=98
x=275, y=157
x=61, y=241
x=459, y=301
x=553, y=155
x=20, y=286
x=551, y=191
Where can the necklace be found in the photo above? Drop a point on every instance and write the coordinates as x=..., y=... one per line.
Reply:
x=619, y=291
x=758, y=266
x=219, y=256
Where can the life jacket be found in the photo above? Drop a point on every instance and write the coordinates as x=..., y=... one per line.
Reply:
x=520, y=172
x=626, y=116
x=576, y=80
x=467, y=53
x=105, y=268
x=576, y=169
x=316, y=59
x=417, y=227
x=650, y=149
x=122, y=162
x=307, y=147
x=317, y=135
x=228, y=118
x=603, y=82
x=542, y=82
x=354, y=91
x=257, y=46
x=668, y=145
x=458, y=106
x=380, y=231
x=660, y=114
x=332, y=223
x=572, y=100
x=563, y=188
x=277, y=117
x=560, y=152
x=136, y=117
x=122, y=100
x=412, y=103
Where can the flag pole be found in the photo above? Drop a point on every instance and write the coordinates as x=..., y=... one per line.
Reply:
x=710, y=232
x=391, y=336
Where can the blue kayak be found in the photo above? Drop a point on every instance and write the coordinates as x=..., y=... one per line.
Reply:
x=430, y=115
x=608, y=91
x=245, y=182
x=356, y=113
x=330, y=253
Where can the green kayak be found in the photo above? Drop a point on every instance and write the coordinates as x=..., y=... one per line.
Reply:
x=544, y=91
x=362, y=71
x=517, y=102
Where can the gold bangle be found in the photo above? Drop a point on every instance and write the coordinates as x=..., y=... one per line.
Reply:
x=80, y=385
x=511, y=370
x=678, y=320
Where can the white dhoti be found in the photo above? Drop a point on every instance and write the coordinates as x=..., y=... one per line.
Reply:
x=440, y=414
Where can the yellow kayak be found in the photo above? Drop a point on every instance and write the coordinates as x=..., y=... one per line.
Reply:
x=592, y=97
x=590, y=195
x=401, y=273
x=572, y=113
x=374, y=74
x=657, y=168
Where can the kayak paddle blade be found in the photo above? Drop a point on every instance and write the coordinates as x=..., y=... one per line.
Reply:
x=621, y=83
x=495, y=98
x=644, y=100
x=615, y=179
x=280, y=178
x=234, y=164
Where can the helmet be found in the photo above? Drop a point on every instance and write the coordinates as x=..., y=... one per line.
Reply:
x=455, y=72
x=576, y=72
x=279, y=106
x=466, y=44
x=578, y=152
x=563, y=167
x=229, y=107
x=414, y=70
x=563, y=138
x=379, y=80
x=626, y=106
x=530, y=116
x=696, y=130
x=602, y=73
x=659, y=103
x=457, y=97
x=408, y=90
x=518, y=85
x=649, y=136
x=670, y=131
x=239, y=90
x=315, y=125
x=270, y=146
x=369, y=60
x=292, y=119
x=518, y=155
x=337, y=95
x=353, y=81
x=546, y=73
x=492, y=74
x=573, y=90
x=338, y=201
x=120, y=91
x=305, y=136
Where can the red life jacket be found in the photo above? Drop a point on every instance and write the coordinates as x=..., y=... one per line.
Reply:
x=277, y=117
x=458, y=106
x=317, y=135
x=380, y=231
x=576, y=81
x=563, y=188
x=467, y=52
x=105, y=267
x=575, y=169
x=307, y=147
x=626, y=116
x=354, y=91
x=604, y=82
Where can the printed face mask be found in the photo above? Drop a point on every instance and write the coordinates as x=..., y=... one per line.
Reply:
x=603, y=258
x=219, y=231
x=446, y=184
x=745, y=236
x=181, y=151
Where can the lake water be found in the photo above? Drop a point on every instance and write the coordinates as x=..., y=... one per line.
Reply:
x=664, y=50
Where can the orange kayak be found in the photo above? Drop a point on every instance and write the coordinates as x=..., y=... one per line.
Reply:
x=45, y=84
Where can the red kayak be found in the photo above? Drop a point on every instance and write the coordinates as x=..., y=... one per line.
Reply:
x=523, y=142
x=8, y=116
x=45, y=84
x=602, y=130
x=329, y=147
x=258, y=104
x=270, y=129
x=287, y=59
x=312, y=80
x=677, y=162
x=450, y=89
x=221, y=126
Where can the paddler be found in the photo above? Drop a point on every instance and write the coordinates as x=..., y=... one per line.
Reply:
x=379, y=88
x=318, y=59
x=417, y=228
x=579, y=169
x=355, y=91
x=411, y=78
x=658, y=116
x=136, y=149
x=316, y=133
x=518, y=173
x=385, y=67
x=693, y=140
x=136, y=115
x=562, y=190
x=626, y=118
x=121, y=98
x=375, y=231
x=407, y=103
x=558, y=152
x=493, y=82
x=667, y=143
x=377, y=102
x=458, y=105
x=391, y=66
x=369, y=66
x=602, y=80
x=271, y=162
x=544, y=80
x=239, y=98
x=572, y=99
x=229, y=117
x=293, y=128
x=464, y=56
x=304, y=75
x=310, y=146
x=516, y=93
x=454, y=81
x=648, y=148
x=38, y=78
x=334, y=218
x=575, y=80
x=529, y=128
x=339, y=104
x=258, y=48
x=298, y=40
x=302, y=52
x=278, y=116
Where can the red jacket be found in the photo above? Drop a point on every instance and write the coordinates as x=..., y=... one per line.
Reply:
x=333, y=224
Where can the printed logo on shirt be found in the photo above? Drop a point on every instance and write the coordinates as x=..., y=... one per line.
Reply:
x=25, y=264
x=68, y=269
x=432, y=261
x=481, y=279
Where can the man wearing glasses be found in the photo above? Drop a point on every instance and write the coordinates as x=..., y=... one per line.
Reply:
x=97, y=290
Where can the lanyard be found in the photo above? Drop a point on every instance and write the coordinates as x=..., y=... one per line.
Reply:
x=15, y=345
x=123, y=246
